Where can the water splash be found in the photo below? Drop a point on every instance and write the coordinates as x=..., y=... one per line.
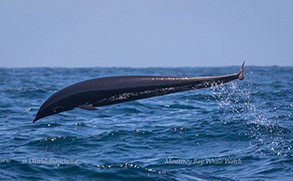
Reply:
x=242, y=102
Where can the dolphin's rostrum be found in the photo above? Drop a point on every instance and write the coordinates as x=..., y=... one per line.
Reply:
x=112, y=90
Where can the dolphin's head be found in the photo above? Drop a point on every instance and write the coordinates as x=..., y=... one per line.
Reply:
x=47, y=110
x=52, y=105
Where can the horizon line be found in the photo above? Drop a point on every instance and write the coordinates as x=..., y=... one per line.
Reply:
x=139, y=67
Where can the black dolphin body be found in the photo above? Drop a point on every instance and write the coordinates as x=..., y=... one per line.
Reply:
x=112, y=90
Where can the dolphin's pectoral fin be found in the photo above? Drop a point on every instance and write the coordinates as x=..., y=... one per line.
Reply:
x=88, y=107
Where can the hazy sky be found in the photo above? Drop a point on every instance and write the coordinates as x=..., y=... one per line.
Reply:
x=145, y=33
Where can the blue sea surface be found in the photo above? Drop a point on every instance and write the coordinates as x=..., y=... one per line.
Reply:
x=241, y=130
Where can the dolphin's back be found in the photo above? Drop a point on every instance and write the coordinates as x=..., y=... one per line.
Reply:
x=117, y=84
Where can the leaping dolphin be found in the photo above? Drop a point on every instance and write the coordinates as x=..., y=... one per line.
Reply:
x=104, y=91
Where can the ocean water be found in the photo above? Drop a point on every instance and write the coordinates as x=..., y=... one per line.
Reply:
x=238, y=131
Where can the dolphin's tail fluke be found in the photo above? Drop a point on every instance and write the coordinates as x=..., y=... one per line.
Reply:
x=241, y=73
